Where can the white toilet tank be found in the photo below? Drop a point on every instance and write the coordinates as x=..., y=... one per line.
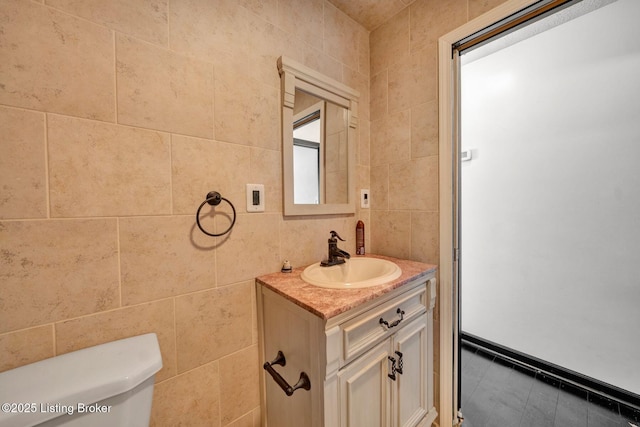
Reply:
x=107, y=385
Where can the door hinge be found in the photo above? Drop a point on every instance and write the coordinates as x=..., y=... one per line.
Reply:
x=456, y=254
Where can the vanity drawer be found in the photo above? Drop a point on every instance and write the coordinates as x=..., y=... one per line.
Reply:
x=365, y=330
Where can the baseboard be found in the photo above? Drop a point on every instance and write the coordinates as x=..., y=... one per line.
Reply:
x=588, y=384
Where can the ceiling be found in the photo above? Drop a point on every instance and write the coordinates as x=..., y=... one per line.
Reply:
x=371, y=13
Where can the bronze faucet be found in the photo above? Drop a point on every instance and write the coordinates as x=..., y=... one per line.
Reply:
x=336, y=255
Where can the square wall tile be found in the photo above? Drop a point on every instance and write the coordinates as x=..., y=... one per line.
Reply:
x=241, y=386
x=25, y=346
x=100, y=328
x=266, y=9
x=478, y=7
x=412, y=82
x=364, y=64
x=364, y=143
x=101, y=169
x=144, y=19
x=162, y=257
x=303, y=241
x=246, y=111
x=266, y=168
x=380, y=187
x=266, y=43
x=250, y=249
x=391, y=233
x=432, y=19
x=160, y=89
x=189, y=399
x=215, y=31
x=363, y=174
x=359, y=82
x=341, y=36
x=54, y=270
x=54, y=62
x=414, y=184
x=321, y=62
x=22, y=164
x=424, y=130
x=379, y=95
x=203, y=165
x=390, y=42
x=425, y=231
x=303, y=19
x=391, y=138
x=212, y=324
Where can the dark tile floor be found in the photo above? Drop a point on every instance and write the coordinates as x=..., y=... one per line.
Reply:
x=496, y=393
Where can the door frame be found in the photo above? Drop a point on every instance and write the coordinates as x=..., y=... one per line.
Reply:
x=447, y=125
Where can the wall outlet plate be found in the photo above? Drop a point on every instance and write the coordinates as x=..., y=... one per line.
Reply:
x=255, y=197
x=365, y=200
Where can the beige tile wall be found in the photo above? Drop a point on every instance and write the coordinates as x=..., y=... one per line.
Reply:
x=404, y=130
x=116, y=118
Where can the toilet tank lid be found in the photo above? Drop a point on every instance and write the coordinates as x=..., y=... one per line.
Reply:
x=84, y=376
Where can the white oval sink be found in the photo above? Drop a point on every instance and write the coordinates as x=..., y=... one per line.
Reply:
x=354, y=273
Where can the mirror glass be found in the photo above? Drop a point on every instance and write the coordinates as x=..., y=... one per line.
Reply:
x=318, y=151
x=320, y=135
x=308, y=151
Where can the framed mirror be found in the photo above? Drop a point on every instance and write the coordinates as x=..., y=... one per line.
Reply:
x=319, y=119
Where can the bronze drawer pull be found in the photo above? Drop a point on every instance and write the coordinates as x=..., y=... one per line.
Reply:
x=400, y=363
x=394, y=324
x=392, y=375
x=303, y=382
x=395, y=368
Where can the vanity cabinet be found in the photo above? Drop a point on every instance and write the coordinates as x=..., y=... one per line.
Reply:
x=388, y=385
x=370, y=365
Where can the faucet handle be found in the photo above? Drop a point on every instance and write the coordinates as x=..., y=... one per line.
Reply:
x=334, y=235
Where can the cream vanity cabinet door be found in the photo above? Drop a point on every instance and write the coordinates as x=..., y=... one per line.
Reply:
x=365, y=389
x=412, y=400
x=371, y=398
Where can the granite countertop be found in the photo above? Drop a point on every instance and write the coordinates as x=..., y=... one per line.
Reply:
x=327, y=303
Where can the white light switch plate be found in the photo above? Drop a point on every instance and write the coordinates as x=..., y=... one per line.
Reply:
x=365, y=199
x=255, y=198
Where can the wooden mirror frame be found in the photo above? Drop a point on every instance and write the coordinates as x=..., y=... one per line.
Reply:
x=294, y=75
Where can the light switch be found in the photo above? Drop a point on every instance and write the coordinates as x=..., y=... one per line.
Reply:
x=255, y=198
x=364, y=199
